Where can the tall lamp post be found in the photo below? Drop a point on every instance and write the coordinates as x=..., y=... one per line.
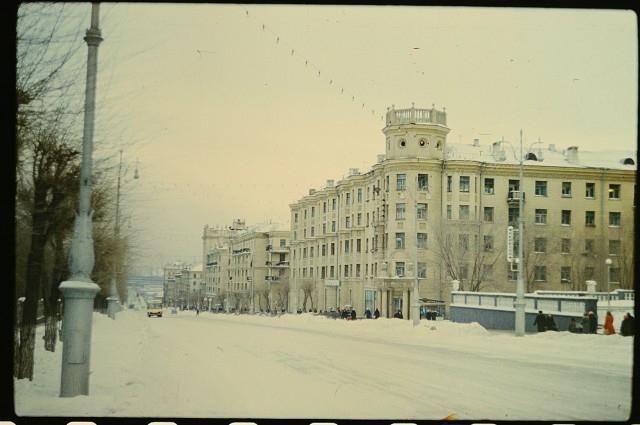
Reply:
x=608, y=262
x=519, y=304
x=79, y=292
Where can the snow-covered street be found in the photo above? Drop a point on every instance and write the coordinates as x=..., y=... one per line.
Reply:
x=305, y=366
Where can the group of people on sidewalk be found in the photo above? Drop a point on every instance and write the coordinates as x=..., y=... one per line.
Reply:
x=588, y=324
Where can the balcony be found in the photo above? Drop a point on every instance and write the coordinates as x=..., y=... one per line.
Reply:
x=513, y=197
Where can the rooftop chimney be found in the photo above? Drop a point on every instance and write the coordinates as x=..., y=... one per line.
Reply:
x=572, y=155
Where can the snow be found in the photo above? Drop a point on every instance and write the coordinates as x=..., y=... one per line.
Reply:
x=312, y=367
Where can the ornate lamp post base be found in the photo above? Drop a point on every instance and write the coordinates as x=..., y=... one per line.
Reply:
x=76, y=328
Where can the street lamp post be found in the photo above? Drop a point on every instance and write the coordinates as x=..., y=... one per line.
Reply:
x=79, y=291
x=519, y=304
x=608, y=262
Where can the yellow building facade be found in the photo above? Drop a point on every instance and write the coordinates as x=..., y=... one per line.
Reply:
x=429, y=213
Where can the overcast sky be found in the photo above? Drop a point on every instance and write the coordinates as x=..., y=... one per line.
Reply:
x=236, y=111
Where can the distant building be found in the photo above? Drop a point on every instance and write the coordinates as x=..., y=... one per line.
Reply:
x=246, y=268
x=428, y=213
x=183, y=285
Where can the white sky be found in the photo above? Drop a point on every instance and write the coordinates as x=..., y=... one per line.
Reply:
x=230, y=120
x=304, y=366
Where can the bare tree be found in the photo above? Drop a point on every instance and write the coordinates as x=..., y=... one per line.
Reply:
x=308, y=288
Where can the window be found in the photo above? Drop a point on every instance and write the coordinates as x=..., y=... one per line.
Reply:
x=357, y=270
x=488, y=186
x=589, y=273
x=541, y=188
x=464, y=212
x=333, y=226
x=333, y=248
x=305, y=214
x=566, y=246
x=488, y=243
x=566, y=189
x=295, y=217
x=541, y=216
x=360, y=195
x=590, y=218
x=463, y=242
x=358, y=245
x=614, y=247
x=346, y=246
x=304, y=252
x=422, y=270
x=540, y=273
x=348, y=200
x=488, y=214
x=323, y=272
x=324, y=228
x=347, y=222
x=324, y=250
x=332, y=272
x=400, y=211
x=400, y=268
x=540, y=245
x=422, y=211
x=422, y=240
x=449, y=183
x=283, y=243
x=614, y=275
x=511, y=274
x=423, y=181
x=590, y=190
x=401, y=182
x=400, y=240
x=513, y=215
x=614, y=219
x=324, y=207
x=311, y=252
x=464, y=271
x=464, y=183
x=449, y=212
x=333, y=204
x=346, y=270
x=565, y=274
x=614, y=191
x=589, y=246
x=566, y=217
x=359, y=219
x=487, y=271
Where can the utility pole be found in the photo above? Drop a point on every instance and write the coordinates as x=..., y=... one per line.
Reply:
x=519, y=304
x=79, y=292
x=113, y=299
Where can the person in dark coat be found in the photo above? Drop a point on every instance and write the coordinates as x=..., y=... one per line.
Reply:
x=585, y=323
x=367, y=314
x=550, y=323
x=540, y=322
x=573, y=326
x=593, y=322
x=376, y=314
x=627, y=327
x=353, y=315
x=398, y=315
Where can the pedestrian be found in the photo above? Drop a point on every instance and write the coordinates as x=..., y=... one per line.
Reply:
x=540, y=321
x=367, y=314
x=550, y=323
x=585, y=323
x=627, y=328
x=593, y=322
x=376, y=314
x=607, y=328
x=572, y=326
x=353, y=314
x=197, y=311
x=398, y=315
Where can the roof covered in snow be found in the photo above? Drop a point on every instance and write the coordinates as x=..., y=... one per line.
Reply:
x=502, y=152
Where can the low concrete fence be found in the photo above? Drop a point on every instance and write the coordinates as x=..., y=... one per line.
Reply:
x=496, y=310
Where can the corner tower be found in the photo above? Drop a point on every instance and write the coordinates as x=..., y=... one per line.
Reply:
x=416, y=133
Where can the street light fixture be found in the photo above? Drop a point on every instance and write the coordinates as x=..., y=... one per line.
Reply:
x=608, y=262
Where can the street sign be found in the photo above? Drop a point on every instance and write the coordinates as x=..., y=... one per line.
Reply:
x=510, y=244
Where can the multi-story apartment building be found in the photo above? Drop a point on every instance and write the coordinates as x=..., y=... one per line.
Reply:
x=248, y=269
x=183, y=285
x=428, y=214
